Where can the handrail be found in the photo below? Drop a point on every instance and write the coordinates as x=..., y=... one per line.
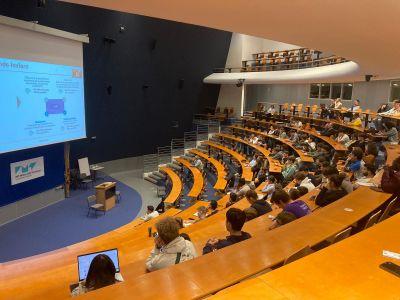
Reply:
x=332, y=60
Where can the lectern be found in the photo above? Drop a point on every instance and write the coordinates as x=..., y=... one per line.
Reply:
x=105, y=194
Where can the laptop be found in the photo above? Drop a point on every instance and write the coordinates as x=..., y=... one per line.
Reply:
x=85, y=260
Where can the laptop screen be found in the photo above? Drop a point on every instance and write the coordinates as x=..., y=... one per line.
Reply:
x=85, y=260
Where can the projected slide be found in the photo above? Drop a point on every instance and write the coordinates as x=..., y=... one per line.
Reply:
x=40, y=104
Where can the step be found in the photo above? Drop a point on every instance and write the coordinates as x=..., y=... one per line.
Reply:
x=159, y=174
x=156, y=178
x=150, y=179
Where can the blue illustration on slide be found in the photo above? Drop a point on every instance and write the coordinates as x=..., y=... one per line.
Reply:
x=55, y=107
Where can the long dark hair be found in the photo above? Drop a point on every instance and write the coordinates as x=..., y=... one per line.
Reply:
x=101, y=272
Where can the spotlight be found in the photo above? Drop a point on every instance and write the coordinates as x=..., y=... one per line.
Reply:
x=240, y=82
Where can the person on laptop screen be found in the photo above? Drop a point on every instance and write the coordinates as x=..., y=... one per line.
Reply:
x=101, y=273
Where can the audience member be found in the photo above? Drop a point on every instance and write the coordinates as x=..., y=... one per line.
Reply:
x=301, y=179
x=261, y=206
x=269, y=188
x=390, y=182
x=331, y=191
x=297, y=207
x=232, y=199
x=150, y=214
x=251, y=213
x=170, y=248
x=179, y=220
x=213, y=208
x=235, y=219
x=101, y=273
x=353, y=163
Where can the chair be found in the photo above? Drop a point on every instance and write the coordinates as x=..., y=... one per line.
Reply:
x=341, y=235
x=93, y=206
x=387, y=210
x=373, y=219
x=85, y=180
x=118, y=196
x=297, y=255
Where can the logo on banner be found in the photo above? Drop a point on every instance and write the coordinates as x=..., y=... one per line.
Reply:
x=27, y=170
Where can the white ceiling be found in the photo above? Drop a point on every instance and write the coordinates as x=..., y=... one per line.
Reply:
x=364, y=31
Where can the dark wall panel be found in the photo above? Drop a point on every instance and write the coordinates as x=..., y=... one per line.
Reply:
x=134, y=121
x=130, y=121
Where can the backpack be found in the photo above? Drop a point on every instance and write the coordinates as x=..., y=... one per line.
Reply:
x=390, y=181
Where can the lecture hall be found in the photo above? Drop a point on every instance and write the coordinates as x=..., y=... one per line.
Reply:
x=199, y=149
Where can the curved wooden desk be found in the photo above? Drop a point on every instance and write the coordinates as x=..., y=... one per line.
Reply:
x=48, y=275
x=247, y=174
x=331, y=142
x=198, y=180
x=352, y=265
x=176, y=190
x=303, y=157
x=274, y=165
x=220, y=184
x=193, y=279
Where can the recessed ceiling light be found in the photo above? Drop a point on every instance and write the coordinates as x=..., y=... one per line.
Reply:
x=350, y=84
x=395, y=84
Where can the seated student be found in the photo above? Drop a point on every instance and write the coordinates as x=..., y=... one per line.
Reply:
x=198, y=164
x=213, y=208
x=390, y=181
x=150, y=214
x=282, y=134
x=342, y=137
x=356, y=120
x=235, y=219
x=201, y=213
x=242, y=188
x=367, y=179
x=329, y=171
x=371, y=152
x=353, y=163
x=300, y=179
x=328, y=129
x=331, y=191
x=302, y=190
x=232, y=199
x=289, y=169
x=251, y=213
x=269, y=188
x=271, y=131
x=101, y=273
x=170, y=248
x=391, y=134
x=283, y=218
x=297, y=207
x=261, y=177
x=261, y=206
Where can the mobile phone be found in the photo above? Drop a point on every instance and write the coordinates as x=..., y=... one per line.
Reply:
x=391, y=268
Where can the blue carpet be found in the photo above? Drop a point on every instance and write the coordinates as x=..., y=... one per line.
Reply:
x=65, y=223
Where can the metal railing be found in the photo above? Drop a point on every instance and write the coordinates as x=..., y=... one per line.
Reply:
x=203, y=129
x=150, y=163
x=257, y=67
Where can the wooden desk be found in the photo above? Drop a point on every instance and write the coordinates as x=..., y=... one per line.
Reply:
x=247, y=174
x=176, y=190
x=194, y=279
x=303, y=157
x=220, y=184
x=334, y=144
x=274, y=165
x=348, y=269
x=198, y=180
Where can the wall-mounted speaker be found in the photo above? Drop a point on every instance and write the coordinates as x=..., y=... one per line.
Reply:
x=181, y=83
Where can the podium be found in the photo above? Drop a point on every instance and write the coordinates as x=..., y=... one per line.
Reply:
x=105, y=194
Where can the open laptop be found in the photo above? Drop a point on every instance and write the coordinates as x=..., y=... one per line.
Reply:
x=85, y=260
